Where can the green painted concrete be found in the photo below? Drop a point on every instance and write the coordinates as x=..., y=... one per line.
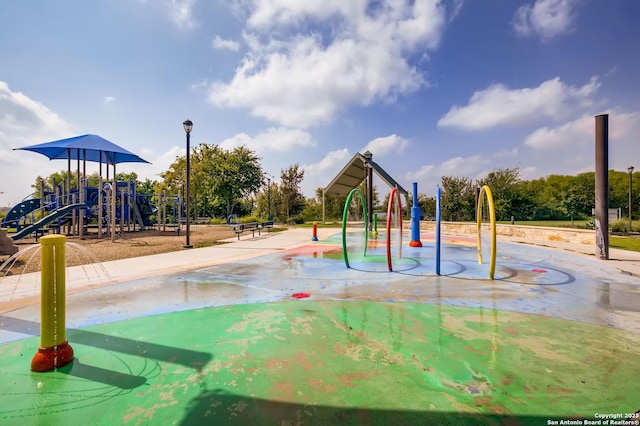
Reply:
x=306, y=362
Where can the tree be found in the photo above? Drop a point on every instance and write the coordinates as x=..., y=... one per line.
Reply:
x=292, y=200
x=427, y=206
x=220, y=178
x=55, y=179
x=523, y=201
x=333, y=206
x=236, y=175
x=549, y=195
x=458, y=199
x=502, y=184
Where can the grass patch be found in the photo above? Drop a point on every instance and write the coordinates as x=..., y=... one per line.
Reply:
x=625, y=243
x=328, y=224
x=210, y=244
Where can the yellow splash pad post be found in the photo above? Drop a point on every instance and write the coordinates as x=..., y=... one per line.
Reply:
x=492, y=218
x=54, y=350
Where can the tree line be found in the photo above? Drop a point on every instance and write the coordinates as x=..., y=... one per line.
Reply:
x=555, y=197
x=225, y=182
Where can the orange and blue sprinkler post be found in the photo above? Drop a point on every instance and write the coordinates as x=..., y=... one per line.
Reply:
x=315, y=232
x=415, y=219
x=54, y=351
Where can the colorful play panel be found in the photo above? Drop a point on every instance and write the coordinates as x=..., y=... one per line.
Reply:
x=297, y=338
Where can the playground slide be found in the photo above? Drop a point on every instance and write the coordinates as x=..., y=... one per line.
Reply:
x=13, y=217
x=46, y=220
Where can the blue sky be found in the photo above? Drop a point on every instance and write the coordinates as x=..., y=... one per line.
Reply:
x=431, y=88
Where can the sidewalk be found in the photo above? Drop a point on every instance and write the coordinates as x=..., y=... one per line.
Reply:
x=22, y=290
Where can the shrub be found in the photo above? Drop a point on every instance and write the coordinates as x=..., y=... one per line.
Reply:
x=620, y=226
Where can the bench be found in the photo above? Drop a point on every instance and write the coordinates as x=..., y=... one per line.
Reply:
x=239, y=228
x=267, y=226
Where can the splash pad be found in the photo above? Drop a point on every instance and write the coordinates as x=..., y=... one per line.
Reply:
x=551, y=337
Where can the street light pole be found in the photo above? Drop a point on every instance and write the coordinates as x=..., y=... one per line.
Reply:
x=269, y=198
x=630, y=170
x=188, y=125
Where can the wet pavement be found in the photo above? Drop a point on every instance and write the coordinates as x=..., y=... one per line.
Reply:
x=224, y=338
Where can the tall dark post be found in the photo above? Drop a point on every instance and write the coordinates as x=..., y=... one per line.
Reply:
x=602, y=186
x=369, y=196
x=188, y=125
x=269, y=199
x=630, y=170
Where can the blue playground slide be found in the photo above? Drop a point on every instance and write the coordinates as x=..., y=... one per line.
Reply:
x=46, y=220
x=12, y=219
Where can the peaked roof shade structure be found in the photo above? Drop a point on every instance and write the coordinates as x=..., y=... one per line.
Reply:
x=354, y=173
x=86, y=147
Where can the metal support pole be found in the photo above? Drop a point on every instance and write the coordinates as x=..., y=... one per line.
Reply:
x=187, y=126
x=602, y=186
x=630, y=170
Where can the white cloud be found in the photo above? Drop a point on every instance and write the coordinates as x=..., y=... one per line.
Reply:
x=498, y=105
x=581, y=131
x=200, y=85
x=529, y=173
x=220, y=43
x=273, y=139
x=180, y=12
x=333, y=161
x=358, y=55
x=160, y=162
x=320, y=174
x=566, y=134
x=464, y=166
x=386, y=145
x=424, y=172
x=24, y=121
x=470, y=167
x=569, y=148
x=456, y=7
x=507, y=153
x=545, y=19
x=108, y=99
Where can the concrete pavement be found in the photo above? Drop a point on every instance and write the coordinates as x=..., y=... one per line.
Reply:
x=626, y=261
x=22, y=290
x=217, y=335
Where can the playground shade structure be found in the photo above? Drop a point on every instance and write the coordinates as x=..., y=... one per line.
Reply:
x=86, y=147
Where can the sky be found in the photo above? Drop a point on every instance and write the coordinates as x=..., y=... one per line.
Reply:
x=431, y=88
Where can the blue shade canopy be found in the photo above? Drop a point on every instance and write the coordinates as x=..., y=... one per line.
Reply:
x=85, y=147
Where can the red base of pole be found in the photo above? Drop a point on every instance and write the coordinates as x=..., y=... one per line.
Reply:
x=48, y=359
x=415, y=244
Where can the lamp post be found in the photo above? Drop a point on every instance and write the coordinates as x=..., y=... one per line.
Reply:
x=188, y=125
x=269, y=198
x=630, y=170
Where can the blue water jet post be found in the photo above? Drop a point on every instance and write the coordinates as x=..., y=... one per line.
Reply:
x=415, y=219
